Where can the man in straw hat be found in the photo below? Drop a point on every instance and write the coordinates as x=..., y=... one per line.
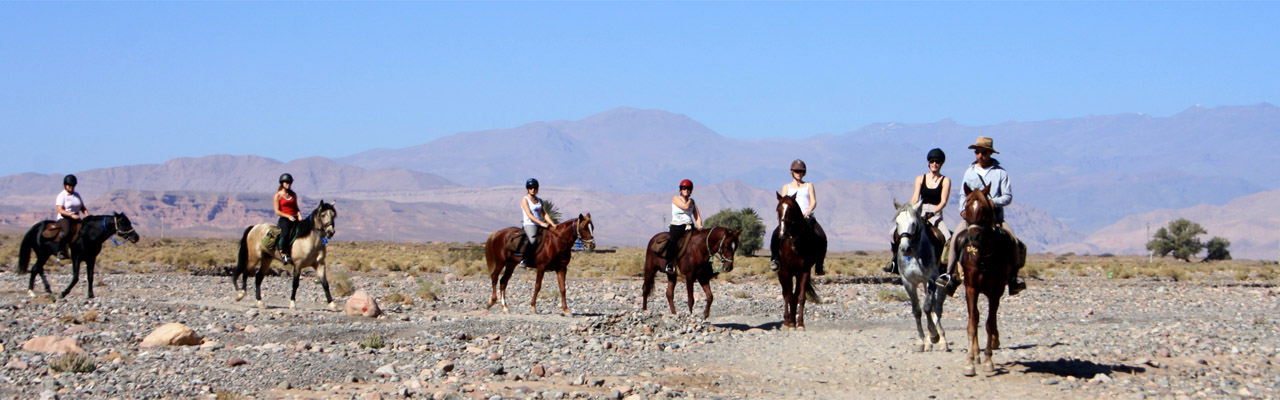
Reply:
x=986, y=171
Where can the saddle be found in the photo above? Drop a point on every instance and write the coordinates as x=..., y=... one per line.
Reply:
x=515, y=243
x=661, y=243
x=269, y=240
x=51, y=230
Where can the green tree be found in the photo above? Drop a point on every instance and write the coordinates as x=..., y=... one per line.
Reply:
x=1217, y=249
x=552, y=210
x=1179, y=238
x=745, y=220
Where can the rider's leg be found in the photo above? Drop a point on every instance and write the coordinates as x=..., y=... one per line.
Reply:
x=819, y=268
x=65, y=226
x=672, y=250
x=774, y=242
x=892, y=266
x=285, y=241
x=530, y=251
x=953, y=254
x=1019, y=259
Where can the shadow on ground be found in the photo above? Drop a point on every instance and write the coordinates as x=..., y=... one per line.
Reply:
x=1074, y=367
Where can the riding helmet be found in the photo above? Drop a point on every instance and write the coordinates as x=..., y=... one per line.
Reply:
x=531, y=184
x=286, y=178
x=686, y=184
x=798, y=165
x=69, y=180
x=937, y=154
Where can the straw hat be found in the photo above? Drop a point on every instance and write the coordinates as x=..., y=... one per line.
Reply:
x=984, y=143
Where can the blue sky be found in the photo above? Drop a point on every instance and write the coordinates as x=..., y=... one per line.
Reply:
x=91, y=85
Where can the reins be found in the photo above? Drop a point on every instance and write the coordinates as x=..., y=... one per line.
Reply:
x=719, y=247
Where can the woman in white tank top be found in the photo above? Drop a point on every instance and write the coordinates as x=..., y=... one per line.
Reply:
x=807, y=199
x=684, y=216
x=535, y=218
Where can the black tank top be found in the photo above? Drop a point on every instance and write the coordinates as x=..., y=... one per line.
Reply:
x=927, y=195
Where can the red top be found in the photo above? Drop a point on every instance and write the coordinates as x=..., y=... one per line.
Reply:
x=289, y=206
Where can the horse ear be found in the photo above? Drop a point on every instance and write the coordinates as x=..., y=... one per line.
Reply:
x=895, y=204
x=987, y=190
x=918, y=206
x=581, y=218
x=779, y=195
x=967, y=190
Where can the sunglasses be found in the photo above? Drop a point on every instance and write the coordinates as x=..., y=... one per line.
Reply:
x=686, y=188
x=798, y=171
x=976, y=151
x=935, y=161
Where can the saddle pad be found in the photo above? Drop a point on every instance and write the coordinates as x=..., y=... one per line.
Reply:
x=661, y=243
x=51, y=230
x=515, y=243
x=269, y=240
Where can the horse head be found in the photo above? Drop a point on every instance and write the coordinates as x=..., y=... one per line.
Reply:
x=124, y=228
x=910, y=225
x=585, y=229
x=790, y=216
x=324, y=218
x=978, y=208
x=726, y=242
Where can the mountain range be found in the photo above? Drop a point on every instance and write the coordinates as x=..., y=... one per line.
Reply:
x=1074, y=179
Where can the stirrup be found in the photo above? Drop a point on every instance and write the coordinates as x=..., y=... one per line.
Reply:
x=890, y=267
x=773, y=265
x=943, y=280
x=819, y=270
x=1016, y=287
x=670, y=269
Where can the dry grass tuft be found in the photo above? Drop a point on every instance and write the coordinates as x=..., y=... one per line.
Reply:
x=73, y=362
x=341, y=283
x=426, y=290
x=373, y=341
x=224, y=394
x=894, y=295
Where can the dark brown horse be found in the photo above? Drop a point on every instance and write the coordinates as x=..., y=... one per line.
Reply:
x=694, y=263
x=798, y=252
x=987, y=259
x=553, y=254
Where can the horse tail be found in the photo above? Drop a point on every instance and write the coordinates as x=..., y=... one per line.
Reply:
x=28, y=245
x=242, y=259
x=810, y=293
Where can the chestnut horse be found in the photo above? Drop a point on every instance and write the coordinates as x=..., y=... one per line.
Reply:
x=694, y=263
x=95, y=230
x=309, y=250
x=553, y=254
x=987, y=259
x=797, y=254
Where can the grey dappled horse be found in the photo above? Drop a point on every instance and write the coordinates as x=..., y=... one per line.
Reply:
x=308, y=251
x=918, y=264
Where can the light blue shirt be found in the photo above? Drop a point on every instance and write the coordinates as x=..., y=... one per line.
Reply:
x=996, y=177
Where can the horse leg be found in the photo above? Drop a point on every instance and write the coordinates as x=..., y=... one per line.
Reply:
x=88, y=274
x=38, y=270
x=993, y=333
x=564, y=297
x=75, y=276
x=671, y=293
x=537, y=287
x=915, y=312
x=706, y=287
x=502, y=284
x=495, y=270
x=971, y=302
x=297, y=275
x=688, y=286
x=321, y=270
x=788, y=303
x=936, y=296
x=801, y=298
x=257, y=281
x=646, y=288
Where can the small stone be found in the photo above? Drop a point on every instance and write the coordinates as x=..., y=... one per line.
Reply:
x=48, y=395
x=172, y=334
x=284, y=385
x=597, y=382
x=372, y=396
x=497, y=370
x=1051, y=381
x=361, y=304
x=385, y=371
x=1163, y=352
x=538, y=371
x=444, y=366
x=236, y=362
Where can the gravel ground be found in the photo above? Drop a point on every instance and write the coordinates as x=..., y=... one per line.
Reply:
x=1066, y=336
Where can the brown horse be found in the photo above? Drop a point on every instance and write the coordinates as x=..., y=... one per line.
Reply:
x=987, y=259
x=553, y=254
x=798, y=252
x=702, y=247
x=309, y=249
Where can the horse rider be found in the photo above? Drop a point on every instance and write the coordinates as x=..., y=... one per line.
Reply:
x=807, y=199
x=684, y=217
x=983, y=172
x=933, y=189
x=286, y=207
x=536, y=219
x=71, y=210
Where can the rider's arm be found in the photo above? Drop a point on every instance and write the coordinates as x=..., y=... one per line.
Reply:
x=1006, y=190
x=680, y=202
x=697, y=216
x=546, y=216
x=524, y=205
x=813, y=200
x=915, y=193
x=946, y=194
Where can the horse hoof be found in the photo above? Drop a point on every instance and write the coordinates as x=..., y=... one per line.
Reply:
x=968, y=371
x=333, y=307
x=920, y=348
x=505, y=310
x=240, y=295
x=989, y=367
x=31, y=294
x=567, y=313
x=262, y=305
x=293, y=305
x=800, y=328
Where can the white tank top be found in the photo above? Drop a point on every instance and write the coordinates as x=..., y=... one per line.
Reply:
x=680, y=217
x=534, y=208
x=802, y=196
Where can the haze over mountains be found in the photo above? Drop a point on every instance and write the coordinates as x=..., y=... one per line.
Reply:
x=1072, y=177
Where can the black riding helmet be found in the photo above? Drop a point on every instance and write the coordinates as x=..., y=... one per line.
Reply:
x=937, y=154
x=69, y=180
x=531, y=184
x=286, y=178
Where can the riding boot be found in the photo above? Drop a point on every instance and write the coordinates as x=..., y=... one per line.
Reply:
x=819, y=270
x=284, y=250
x=891, y=266
x=773, y=264
x=529, y=254
x=1015, y=286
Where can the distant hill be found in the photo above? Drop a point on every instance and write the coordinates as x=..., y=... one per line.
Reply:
x=1088, y=171
x=1247, y=222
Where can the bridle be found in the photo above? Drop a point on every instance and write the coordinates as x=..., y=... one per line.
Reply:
x=115, y=220
x=322, y=230
x=717, y=256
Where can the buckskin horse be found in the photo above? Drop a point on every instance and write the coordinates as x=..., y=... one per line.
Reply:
x=798, y=252
x=987, y=259
x=313, y=234
x=917, y=258
x=552, y=254
x=85, y=247
x=702, y=247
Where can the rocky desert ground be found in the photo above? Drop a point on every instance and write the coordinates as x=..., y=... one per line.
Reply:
x=1071, y=335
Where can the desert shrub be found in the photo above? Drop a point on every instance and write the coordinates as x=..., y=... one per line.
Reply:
x=1106, y=255
x=860, y=253
x=1173, y=273
x=1217, y=249
x=73, y=362
x=895, y=294
x=224, y=394
x=1241, y=275
x=373, y=341
x=1178, y=239
x=633, y=267
x=740, y=295
x=395, y=297
x=426, y=290
x=1119, y=272
x=341, y=282
x=469, y=268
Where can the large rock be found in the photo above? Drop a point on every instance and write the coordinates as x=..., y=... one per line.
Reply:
x=172, y=334
x=362, y=304
x=53, y=345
